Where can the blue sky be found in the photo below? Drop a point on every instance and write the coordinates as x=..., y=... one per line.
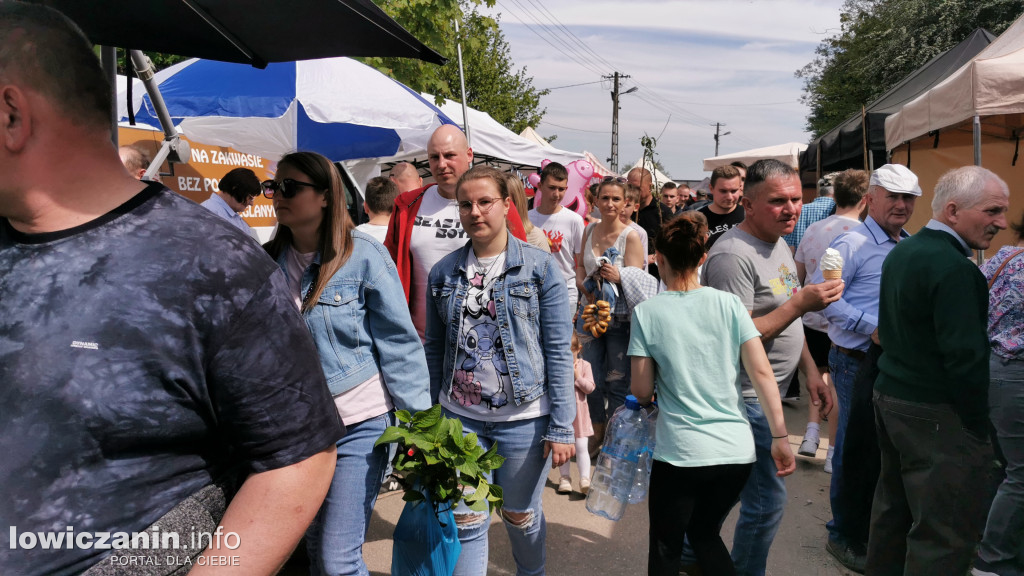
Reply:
x=700, y=61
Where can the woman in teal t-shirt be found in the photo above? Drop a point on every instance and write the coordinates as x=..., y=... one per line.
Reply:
x=690, y=341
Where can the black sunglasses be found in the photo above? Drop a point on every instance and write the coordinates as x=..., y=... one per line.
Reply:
x=288, y=188
x=618, y=179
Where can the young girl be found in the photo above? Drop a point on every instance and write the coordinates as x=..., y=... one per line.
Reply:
x=498, y=355
x=581, y=426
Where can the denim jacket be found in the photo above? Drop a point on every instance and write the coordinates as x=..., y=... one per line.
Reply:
x=530, y=302
x=361, y=326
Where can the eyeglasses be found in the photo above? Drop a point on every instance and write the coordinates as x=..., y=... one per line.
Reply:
x=484, y=204
x=618, y=179
x=288, y=188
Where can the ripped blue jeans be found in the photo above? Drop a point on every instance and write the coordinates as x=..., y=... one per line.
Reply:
x=521, y=478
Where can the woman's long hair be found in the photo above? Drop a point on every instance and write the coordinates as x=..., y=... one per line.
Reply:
x=335, y=233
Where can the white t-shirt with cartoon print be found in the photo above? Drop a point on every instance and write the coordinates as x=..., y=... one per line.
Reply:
x=481, y=387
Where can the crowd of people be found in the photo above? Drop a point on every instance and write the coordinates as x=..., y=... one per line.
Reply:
x=164, y=373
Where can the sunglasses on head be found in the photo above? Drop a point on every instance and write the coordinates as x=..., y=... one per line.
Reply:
x=618, y=179
x=287, y=188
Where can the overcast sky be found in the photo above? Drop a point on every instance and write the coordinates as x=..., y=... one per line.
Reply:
x=700, y=61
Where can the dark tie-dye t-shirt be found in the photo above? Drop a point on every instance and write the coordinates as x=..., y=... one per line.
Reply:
x=143, y=356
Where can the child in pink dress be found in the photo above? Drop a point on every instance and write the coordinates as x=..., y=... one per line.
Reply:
x=581, y=426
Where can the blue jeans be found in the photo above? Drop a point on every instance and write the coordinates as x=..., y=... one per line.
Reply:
x=1002, y=547
x=762, y=502
x=843, y=370
x=607, y=357
x=521, y=478
x=334, y=541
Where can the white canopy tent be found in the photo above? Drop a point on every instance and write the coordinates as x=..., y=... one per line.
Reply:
x=491, y=142
x=788, y=153
x=660, y=178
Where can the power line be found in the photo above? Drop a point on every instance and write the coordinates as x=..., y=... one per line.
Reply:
x=543, y=37
x=582, y=54
x=574, y=129
x=574, y=85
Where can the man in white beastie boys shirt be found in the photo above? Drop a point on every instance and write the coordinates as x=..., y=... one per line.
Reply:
x=425, y=224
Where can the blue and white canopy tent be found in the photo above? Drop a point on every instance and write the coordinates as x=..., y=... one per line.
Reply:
x=335, y=106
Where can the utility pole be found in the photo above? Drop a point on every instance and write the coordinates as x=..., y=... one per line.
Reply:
x=718, y=128
x=615, y=119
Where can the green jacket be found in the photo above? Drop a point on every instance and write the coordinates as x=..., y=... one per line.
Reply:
x=933, y=319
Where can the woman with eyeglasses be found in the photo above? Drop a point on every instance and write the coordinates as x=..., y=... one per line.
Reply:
x=347, y=289
x=498, y=348
x=620, y=246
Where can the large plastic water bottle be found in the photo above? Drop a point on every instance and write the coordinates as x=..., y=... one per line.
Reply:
x=615, y=475
x=642, y=477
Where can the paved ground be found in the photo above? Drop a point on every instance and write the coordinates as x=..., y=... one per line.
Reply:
x=580, y=543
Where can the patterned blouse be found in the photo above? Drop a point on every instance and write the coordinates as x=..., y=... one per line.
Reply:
x=1006, y=304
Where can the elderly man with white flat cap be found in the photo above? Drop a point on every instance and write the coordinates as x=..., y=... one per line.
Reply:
x=852, y=323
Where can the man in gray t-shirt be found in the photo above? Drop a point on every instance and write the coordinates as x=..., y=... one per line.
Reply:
x=753, y=262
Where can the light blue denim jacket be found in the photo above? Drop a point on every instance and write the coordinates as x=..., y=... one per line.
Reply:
x=361, y=326
x=530, y=302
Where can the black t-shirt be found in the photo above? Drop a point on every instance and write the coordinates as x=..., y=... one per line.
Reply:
x=143, y=356
x=719, y=224
x=651, y=218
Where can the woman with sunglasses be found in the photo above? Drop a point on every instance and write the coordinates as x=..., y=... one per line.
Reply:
x=347, y=289
x=607, y=354
x=498, y=344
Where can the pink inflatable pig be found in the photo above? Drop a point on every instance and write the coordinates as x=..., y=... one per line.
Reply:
x=581, y=173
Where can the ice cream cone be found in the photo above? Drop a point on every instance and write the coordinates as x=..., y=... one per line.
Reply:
x=832, y=274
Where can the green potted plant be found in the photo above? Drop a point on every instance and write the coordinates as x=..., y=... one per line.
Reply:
x=439, y=465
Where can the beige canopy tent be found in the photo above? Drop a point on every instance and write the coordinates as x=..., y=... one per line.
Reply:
x=975, y=116
x=530, y=134
x=788, y=153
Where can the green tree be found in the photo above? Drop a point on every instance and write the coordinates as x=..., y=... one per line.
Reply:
x=880, y=42
x=160, y=61
x=493, y=85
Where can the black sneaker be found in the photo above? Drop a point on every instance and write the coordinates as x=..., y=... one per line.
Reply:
x=852, y=556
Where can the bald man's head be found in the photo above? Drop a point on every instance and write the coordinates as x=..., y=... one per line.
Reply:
x=449, y=156
x=406, y=177
x=642, y=179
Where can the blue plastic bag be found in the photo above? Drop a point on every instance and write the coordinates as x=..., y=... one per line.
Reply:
x=426, y=543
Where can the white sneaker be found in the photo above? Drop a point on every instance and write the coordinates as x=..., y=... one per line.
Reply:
x=564, y=485
x=809, y=447
x=585, y=486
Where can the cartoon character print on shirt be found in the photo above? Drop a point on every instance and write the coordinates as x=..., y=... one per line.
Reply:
x=482, y=378
x=787, y=283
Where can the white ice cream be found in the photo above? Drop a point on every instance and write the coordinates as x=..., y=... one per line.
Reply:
x=831, y=260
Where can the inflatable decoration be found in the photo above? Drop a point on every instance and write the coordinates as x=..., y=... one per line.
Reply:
x=581, y=173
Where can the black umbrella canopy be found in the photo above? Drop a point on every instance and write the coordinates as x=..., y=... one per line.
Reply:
x=253, y=32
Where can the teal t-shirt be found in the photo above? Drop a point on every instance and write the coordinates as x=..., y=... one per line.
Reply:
x=694, y=338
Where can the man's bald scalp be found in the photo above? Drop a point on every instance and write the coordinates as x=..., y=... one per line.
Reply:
x=445, y=132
